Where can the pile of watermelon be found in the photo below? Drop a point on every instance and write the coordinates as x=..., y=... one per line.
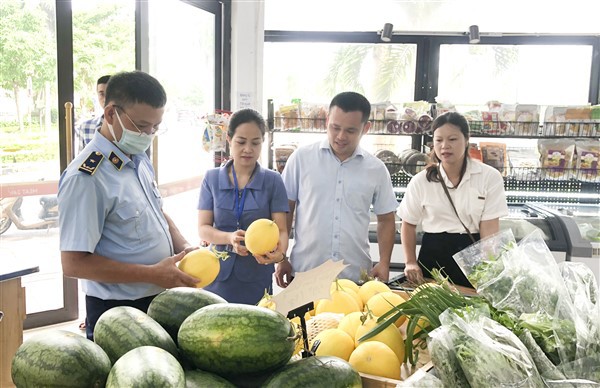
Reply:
x=189, y=338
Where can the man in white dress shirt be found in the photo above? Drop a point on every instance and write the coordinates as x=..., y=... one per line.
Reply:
x=331, y=187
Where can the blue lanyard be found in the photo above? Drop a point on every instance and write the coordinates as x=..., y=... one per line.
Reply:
x=239, y=199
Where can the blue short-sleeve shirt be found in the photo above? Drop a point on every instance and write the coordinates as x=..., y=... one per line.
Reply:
x=266, y=195
x=114, y=212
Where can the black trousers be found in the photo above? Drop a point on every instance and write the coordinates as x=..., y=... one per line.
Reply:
x=94, y=307
x=437, y=250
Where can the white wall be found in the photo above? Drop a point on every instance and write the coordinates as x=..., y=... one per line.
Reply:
x=247, y=41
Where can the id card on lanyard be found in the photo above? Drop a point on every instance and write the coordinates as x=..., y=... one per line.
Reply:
x=240, y=198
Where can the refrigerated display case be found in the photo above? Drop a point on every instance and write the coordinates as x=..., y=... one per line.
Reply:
x=581, y=223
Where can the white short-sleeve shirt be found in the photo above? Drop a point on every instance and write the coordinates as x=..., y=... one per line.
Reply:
x=479, y=197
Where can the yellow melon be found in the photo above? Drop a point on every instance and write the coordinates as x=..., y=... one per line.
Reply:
x=261, y=236
x=371, y=288
x=390, y=336
x=375, y=358
x=203, y=264
x=341, y=302
x=350, y=323
x=334, y=342
x=345, y=284
x=383, y=302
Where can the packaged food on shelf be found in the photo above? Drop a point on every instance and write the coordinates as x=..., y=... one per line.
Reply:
x=415, y=118
x=314, y=115
x=287, y=117
x=494, y=154
x=442, y=106
x=527, y=120
x=390, y=159
x=377, y=116
x=282, y=154
x=570, y=121
x=524, y=163
x=413, y=161
x=215, y=133
x=588, y=154
x=556, y=156
x=475, y=152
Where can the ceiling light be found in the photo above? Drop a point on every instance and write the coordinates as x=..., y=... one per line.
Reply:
x=386, y=33
x=473, y=34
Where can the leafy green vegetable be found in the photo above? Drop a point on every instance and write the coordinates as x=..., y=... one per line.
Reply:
x=556, y=337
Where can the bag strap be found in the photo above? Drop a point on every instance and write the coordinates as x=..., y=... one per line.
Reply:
x=454, y=207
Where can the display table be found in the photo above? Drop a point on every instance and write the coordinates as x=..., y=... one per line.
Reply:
x=12, y=306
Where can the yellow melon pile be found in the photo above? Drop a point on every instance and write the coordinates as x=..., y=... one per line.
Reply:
x=359, y=308
x=351, y=312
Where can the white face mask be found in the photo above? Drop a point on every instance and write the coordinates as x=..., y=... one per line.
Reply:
x=131, y=142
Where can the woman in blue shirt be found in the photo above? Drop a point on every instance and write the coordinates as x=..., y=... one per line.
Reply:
x=231, y=198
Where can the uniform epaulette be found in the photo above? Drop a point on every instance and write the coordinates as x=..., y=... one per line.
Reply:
x=92, y=162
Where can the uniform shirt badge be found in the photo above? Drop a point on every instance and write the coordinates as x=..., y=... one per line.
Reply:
x=116, y=161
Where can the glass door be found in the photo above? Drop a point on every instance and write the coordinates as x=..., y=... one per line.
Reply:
x=190, y=73
x=30, y=156
x=52, y=54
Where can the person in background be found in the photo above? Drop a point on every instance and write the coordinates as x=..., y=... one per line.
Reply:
x=231, y=198
x=85, y=131
x=331, y=186
x=478, y=201
x=113, y=232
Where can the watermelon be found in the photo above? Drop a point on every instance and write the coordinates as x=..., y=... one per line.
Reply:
x=317, y=371
x=201, y=379
x=60, y=358
x=146, y=366
x=124, y=328
x=231, y=338
x=249, y=380
x=171, y=307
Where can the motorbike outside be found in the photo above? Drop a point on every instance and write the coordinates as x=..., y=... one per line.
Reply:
x=11, y=214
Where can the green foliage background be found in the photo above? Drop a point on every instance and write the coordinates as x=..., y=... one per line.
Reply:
x=103, y=43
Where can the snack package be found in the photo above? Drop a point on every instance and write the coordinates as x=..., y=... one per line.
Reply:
x=527, y=120
x=490, y=123
x=313, y=115
x=524, y=163
x=282, y=154
x=214, y=137
x=475, y=152
x=414, y=118
x=588, y=155
x=288, y=117
x=570, y=121
x=556, y=157
x=494, y=154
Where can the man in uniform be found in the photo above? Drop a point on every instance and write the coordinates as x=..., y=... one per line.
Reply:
x=113, y=232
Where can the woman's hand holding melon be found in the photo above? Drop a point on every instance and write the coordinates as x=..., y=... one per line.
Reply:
x=237, y=242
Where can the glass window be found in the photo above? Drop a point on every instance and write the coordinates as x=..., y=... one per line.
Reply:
x=528, y=16
x=317, y=71
x=542, y=75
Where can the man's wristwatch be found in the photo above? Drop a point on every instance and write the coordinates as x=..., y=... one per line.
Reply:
x=282, y=259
